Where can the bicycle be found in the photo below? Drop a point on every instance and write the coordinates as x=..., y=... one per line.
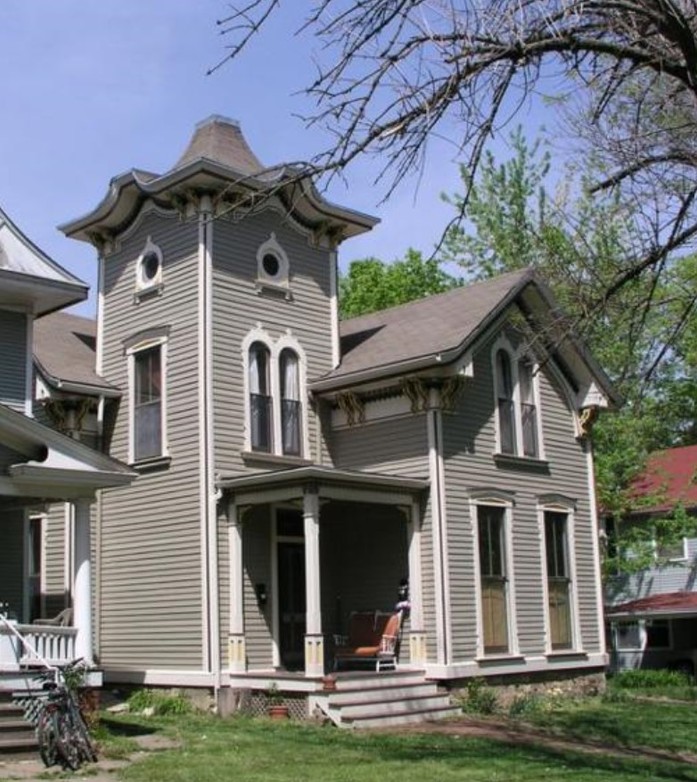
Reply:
x=61, y=731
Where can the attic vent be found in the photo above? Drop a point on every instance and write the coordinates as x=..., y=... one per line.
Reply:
x=273, y=270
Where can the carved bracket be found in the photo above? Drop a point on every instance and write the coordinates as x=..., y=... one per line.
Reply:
x=587, y=417
x=450, y=391
x=352, y=405
x=416, y=391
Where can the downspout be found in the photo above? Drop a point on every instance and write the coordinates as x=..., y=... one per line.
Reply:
x=211, y=639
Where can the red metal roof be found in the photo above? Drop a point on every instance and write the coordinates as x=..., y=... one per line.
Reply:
x=670, y=478
x=673, y=602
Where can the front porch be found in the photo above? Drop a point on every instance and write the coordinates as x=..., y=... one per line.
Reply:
x=307, y=548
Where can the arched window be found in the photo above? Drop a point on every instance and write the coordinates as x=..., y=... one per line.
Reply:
x=505, y=402
x=291, y=409
x=260, y=399
x=528, y=410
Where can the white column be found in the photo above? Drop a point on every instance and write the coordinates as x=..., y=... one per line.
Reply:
x=82, y=581
x=314, y=641
x=237, y=654
x=417, y=634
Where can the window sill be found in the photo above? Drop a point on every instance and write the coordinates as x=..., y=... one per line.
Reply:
x=521, y=462
x=152, y=464
x=148, y=293
x=277, y=289
x=260, y=457
x=567, y=654
x=500, y=659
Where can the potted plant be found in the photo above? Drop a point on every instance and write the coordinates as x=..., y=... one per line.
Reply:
x=276, y=708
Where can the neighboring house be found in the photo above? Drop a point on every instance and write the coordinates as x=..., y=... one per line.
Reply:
x=39, y=466
x=293, y=469
x=652, y=614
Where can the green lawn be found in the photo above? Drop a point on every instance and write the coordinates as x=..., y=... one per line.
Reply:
x=255, y=750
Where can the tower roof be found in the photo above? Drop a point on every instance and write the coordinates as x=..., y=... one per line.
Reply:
x=220, y=140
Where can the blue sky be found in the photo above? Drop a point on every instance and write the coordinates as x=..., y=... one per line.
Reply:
x=92, y=89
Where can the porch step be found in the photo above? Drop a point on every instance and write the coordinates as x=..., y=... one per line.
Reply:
x=385, y=699
x=17, y=735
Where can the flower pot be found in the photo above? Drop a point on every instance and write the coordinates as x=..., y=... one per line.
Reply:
x=278, y=712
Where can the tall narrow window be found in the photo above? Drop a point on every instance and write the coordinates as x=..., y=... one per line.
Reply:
x=492, y=562
x=504, y=396
x=290, y=402
x=558, y=580
x=147, y=404
x=260, y=401
x=528, y=410
x=35, y=566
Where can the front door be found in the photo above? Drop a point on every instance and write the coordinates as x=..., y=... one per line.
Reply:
x=291, y=589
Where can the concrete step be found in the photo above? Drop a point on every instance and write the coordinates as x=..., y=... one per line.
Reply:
x=18, y=745
x=400, y=717
x=369, y=680
x=393, y=691
x=388, y=707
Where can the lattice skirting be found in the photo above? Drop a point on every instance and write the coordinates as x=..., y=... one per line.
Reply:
x=257, y=704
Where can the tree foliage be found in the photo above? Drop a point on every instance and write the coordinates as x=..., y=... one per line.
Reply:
x=372, y=285
x=392, y=74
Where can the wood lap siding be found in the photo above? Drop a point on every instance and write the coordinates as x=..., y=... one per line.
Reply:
x=238, y=307
x=150, y=559
x=13, y=359
x=469, y=442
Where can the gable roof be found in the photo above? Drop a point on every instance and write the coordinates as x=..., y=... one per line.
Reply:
x=64, y=353
x=217, y=160
x=436, y=330
x=670, y=477
x=29, y=277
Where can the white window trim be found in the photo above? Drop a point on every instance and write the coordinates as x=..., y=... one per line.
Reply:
x=515, y=356
x=682, y=558
x=142, y=284
x=281, y=280
x=495, y=499
x=275, y=348
x=643, y=636
x=568, y=508
x=156, y=339
x=29, y=516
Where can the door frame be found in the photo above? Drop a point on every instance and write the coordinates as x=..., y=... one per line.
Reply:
x=275, y=540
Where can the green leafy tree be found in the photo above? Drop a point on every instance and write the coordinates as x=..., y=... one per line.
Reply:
x=372, y=285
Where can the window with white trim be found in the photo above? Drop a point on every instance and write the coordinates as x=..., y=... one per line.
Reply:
x=491, y=520
x=559, y=582
x=291, y=407
x=517, y=414
x=273, y=269
x=35, y=565
x=260, y=398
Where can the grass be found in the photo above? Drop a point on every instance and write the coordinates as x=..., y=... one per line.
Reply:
x=258, y=750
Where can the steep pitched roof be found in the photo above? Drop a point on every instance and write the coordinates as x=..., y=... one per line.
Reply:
x=670, y=478
x=217, y=160
x=29, y=276
x=437, y=330
x=64, y=352
x=220, y=139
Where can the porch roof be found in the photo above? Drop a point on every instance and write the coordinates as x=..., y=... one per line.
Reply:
x=663, y=605
x=328, y=480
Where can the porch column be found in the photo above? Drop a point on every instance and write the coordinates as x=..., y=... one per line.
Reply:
x=237, y=653
x=82, y=581
x=314, y=640
x=417, y=634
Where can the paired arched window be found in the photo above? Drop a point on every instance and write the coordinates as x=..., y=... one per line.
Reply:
x=274, y=385
x=516, y=406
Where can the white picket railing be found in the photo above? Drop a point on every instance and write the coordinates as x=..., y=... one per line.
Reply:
x=35, y=645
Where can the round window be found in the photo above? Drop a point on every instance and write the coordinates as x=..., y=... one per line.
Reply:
x=150, y=266
x=271, y=264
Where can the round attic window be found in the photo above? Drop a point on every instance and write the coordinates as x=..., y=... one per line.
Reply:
x=271, y=264
x=150, y=266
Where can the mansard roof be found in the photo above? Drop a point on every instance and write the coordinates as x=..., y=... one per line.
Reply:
x=28, y=277
x=217, y=160
x=64, y=354
x=437, y=330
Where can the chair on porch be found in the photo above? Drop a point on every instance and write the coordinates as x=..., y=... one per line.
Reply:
x=63, y=619
x=373, y=637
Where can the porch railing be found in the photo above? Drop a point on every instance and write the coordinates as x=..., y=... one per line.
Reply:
x=35, y=645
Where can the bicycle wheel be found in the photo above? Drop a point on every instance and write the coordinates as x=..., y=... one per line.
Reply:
x=68, y=743
x=46, y=734
x=82, y=735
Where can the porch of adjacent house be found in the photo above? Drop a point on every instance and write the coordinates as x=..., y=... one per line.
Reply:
x=28, y=644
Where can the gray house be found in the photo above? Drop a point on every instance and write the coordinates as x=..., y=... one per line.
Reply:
x=38, y=467
x=294, y=470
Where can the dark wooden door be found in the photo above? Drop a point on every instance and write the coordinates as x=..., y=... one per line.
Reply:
x=291, y=604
